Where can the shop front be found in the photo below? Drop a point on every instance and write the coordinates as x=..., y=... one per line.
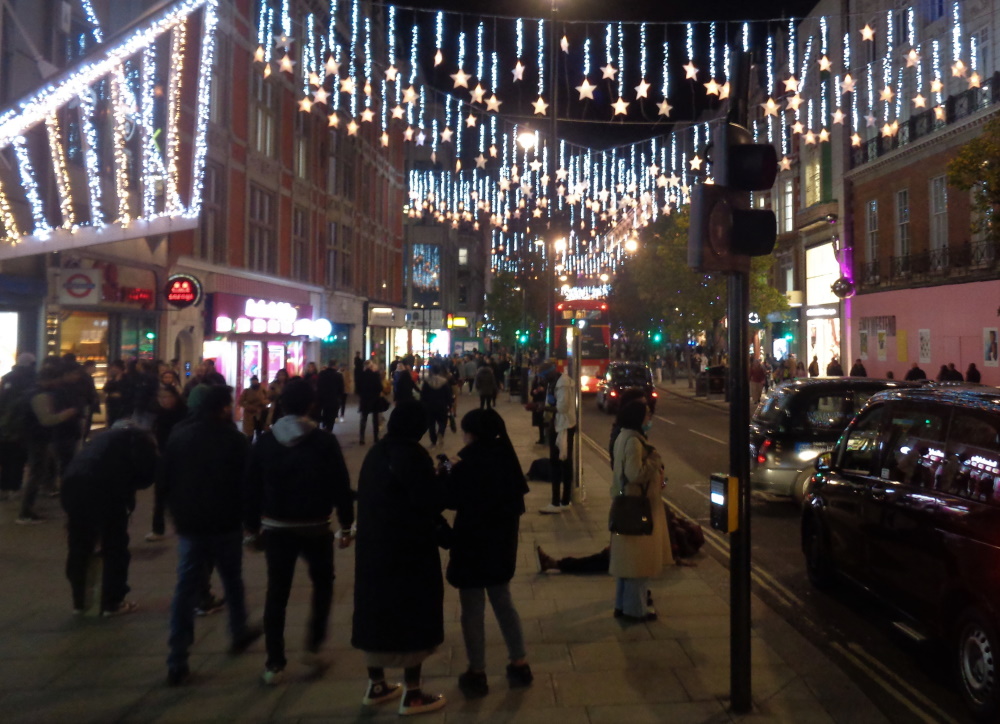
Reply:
x=250, y=337
x=21, y=302
x=383, y=324
x=101, y=314
x=823, y=338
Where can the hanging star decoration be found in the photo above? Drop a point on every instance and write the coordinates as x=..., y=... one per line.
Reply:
x=791, y=85
x=867, y=33
x=446, y=135
x=785, y=164
x=518, y=71
x=919, y=101
x=770, y=108
x=320, y=95
x=847, y=84
x=391, y=73
x=258, y=54
x=408, y=133
x=332, y=120
x=314, y=79
x=384, y=138
x=870, y=120
x=886, y=94
x=461, y=78
x=535, y=165
x=794, y=102
x=332, y=66
x=438, y=58
x=477, y=93
x=493, y=104
x=352, y=128
x=664, y=108
x=470, y=121
x=609, y=72
x=620, y=106
x=690, y=71
x=564, y=44
x=286, y=63
x=912, y=58
x=856, y=139
x=410, y=95
x=797, y=127
x=724, y=91
x=939, y=113
x=421, y=138
x=367, y=115
x=824, y=63
x=810, y=138
x=347, y=85
x=642, y=90
x=398, y=112
x=958, y=69
x=712, y=88
x=887, y=131
x=974, y=80
x=838, y=116
x=561, y=175
x=541, y=107
x=937, y=86
x=586, y=90
x=305, y=105
x=494, y=151
x=695, y=163
x=824, y=135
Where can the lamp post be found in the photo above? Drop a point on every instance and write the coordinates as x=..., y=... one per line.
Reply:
x=551, y=193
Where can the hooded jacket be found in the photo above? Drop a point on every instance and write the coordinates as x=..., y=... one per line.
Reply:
x=436, y=394
x=296, y=477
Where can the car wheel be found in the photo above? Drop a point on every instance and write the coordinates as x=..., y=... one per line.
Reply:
x=976, y=651
x=818, y=565
x=800, y=487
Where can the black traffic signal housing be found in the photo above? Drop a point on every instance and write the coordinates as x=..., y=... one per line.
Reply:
x=725, y=232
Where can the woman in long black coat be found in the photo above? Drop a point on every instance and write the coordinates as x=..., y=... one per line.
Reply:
x=398, y=591
x=486, y=490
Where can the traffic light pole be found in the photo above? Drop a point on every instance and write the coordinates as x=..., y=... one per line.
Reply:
x=737, y=310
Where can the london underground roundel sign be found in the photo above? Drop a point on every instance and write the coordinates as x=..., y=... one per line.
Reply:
x=182, y=290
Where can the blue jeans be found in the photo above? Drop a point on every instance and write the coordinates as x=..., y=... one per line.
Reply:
x=473, y=623
x=630, y=596
x=195, y=555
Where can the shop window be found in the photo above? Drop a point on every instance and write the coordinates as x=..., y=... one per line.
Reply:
x=261, y=252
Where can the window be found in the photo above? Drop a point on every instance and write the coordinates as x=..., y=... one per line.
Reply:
x=934, y=10
x=333, y=164
x=330, y=276
x=211, y=242
x=979, y=47
x=787, y=206
x=265, y=118
x=822, y=413
x=973, y=471
x=903, y=222
x=814, y=178
x=302, y=145
x=871, y=217
x=860, y=450
x=939, y=213
x=300, y=244
x=262, y=237
x=463, y=294
x=463, y=256
x=915, y=448
x=901, y=27
x=219, y=97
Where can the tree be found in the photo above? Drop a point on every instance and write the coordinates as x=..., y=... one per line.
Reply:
x=515, y=304
x=976, y=167
x=686, y=301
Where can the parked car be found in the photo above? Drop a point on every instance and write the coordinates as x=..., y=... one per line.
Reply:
x=622, y=376
x=908, y=506
x=797, y=421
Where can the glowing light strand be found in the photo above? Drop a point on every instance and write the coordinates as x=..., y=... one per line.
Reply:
x=58, y=152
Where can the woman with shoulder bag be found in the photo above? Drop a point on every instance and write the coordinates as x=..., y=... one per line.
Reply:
x=638, y=471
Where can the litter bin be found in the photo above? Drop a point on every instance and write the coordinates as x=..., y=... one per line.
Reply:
x=711, y=381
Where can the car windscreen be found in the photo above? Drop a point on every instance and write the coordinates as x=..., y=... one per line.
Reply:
x=772, y=407
x=636, y=376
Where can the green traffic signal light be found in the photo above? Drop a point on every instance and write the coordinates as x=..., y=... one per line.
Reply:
x=657, y=337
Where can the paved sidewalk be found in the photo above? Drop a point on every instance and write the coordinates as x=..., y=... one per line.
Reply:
x=589, y=667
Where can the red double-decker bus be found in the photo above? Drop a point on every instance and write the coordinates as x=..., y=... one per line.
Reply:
x=589, y=319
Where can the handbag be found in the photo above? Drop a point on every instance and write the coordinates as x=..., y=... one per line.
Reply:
x=381, y=404
x=630, y=514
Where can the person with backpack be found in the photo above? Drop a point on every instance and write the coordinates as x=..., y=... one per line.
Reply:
x=486, y=386
x=15, y=390
x=296, y=478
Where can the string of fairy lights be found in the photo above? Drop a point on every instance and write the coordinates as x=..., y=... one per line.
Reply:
x=490, y=165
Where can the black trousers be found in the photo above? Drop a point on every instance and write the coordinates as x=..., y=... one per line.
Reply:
x=282, y=549
x=364, y=424
x=437, y=422
x=561, y=470
x=486, y=402
x=596, y=563
x=85, y=530
x=13, y=457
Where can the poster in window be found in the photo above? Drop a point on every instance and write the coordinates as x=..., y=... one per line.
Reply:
x=924, y=336
x=863, y=344
x=880, y=335
x=990, y=346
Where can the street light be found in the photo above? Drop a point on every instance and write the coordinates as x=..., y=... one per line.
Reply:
x=552, y=194
x=526, y=139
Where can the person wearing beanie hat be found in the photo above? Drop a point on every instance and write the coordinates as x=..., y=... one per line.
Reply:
x=398, y=589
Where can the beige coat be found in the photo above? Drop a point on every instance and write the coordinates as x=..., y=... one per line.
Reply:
x=639, y=556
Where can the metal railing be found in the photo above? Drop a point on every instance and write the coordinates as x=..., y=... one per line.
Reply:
x=969, y=258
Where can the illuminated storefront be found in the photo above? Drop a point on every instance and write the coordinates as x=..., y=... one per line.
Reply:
x=250, y=337
x=822, y=309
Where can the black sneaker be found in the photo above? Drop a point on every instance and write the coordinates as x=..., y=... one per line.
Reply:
x=242, y=642
x=121, y=609
x=417, y=702
x=178, y=676
x=380, y=692
x=210, y=606
x=473, y=684
x=519, y=676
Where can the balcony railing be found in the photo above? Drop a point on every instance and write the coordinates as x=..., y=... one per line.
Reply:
x=917, y=126
x=926, y=266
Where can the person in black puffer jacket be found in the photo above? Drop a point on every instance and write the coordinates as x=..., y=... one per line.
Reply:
x=486, y=489
x=398, y=590
x=436, y=396
x=296, y=477
x=202, y=478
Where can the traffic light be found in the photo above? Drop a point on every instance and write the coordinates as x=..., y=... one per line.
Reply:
x=523, y=338
x=657, y=337
x=725, y=232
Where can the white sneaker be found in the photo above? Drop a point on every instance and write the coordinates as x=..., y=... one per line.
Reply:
x=551, y=509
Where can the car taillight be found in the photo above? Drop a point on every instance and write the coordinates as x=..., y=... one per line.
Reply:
x=613, y=393
x=762, y=451
x=654, y=394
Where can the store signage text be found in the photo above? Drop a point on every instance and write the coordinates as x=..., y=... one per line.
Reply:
x=264, y=317
x=182, y=291
x=821, y=312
